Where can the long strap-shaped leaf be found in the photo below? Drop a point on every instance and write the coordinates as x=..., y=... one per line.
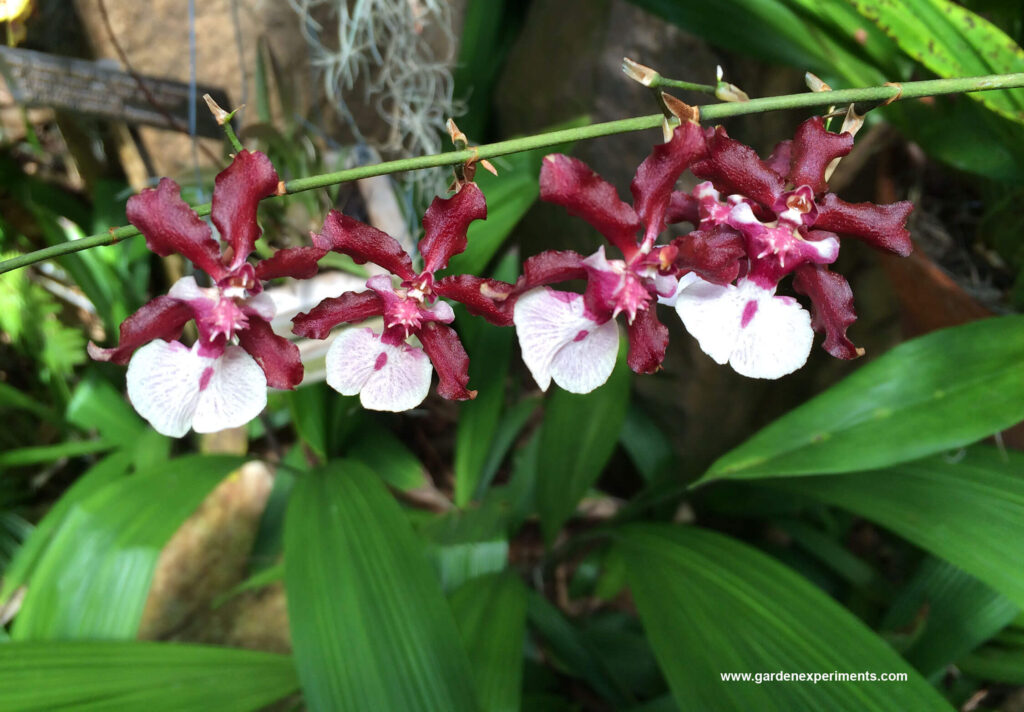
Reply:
x=491, y=613
x=712, y=605
x=969, y=511
x=94, y=576
x=370, y=627
x=132, y=675
x=941, y=391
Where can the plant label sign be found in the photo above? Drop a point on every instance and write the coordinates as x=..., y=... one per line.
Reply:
x=86, y=87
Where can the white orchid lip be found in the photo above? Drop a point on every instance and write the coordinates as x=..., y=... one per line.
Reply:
x=178, y=389
x=759, y=334
x=560, y=342
x=385, y=376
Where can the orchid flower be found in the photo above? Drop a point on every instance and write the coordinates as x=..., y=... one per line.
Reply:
x=221, y=380
x=572, y=338
x=384, y=369
x=789, y=224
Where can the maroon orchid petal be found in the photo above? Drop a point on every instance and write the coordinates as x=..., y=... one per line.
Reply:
x=277, y=356
x=297, y=262
x=550, y=267
x=735, y=168
x=488, y=298
x=832, y=302
x=571, y=183
x=881, y=226
x=162, y=318
x=363, y=244
x=445, y=224
x=781, y=158
x=449, y=358
x=648, y=339
x=715, y=255
x=237, y=192
x=682, y=207
x=657, y=175
x=349, y=307
x=172, y=227
x=814, y=148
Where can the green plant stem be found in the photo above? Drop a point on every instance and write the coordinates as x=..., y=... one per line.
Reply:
x=661, y=82
x=868, y=97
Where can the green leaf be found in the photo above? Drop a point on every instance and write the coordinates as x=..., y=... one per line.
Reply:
x=572, y=651
x=384, y=453
x=93, y=579
x=96, y=404
x=645, y=442
x=134, y=675
x=712, y=605
x=952, y=41
x=969, y=512
x=457, y=563
x=999, y=664
x=48, y=453
x=489, y=28
x=491, y=615
x=938, y=392
x=110, y=469
x=264, y=577
x=370, y=626
x=772, y=30
x=577, y=438
x=490, y=352
x=960, y=613
x=11, y=397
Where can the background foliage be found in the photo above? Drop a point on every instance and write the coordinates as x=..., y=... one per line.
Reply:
x=530, y=551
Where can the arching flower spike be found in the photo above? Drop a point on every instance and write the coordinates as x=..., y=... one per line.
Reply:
x=221, y=381
x=384, y=369
x=789, y=224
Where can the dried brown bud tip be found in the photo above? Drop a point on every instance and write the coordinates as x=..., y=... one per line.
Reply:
x=638, y=72
x=680, y=109
x=218, y=113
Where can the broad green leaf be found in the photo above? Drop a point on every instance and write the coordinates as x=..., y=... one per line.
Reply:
x=511, y=424
x=572, y=651
x=490, y=352
x=941, y=391
x=457, y=563
x=1004, y=665
x=619, y=640
x=577, y=437
x=135, y=675
x=952, y=41
x=97, y=404
x=11, y=397
x=109, y=469
x=310, y=417
x=491, y=614
x=48, y=453
x=969, y=511
x=489, y=28
x=772, y=30
x=383, y=452
x=957, y=611
x=645, y=442
x=93, y=579
x=370, y=626
x=712, y=605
